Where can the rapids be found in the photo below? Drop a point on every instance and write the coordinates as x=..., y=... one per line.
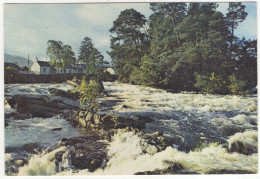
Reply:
x=208, y=133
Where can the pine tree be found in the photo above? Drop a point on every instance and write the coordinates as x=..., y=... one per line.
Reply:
x=129, y=43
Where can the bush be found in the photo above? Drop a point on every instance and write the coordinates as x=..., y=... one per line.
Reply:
x=237, y=86
x=136, y=76
x=210, y=83
x=88, y=93
x=11, y=71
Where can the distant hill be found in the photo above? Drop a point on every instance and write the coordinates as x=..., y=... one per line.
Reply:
x=21, y=61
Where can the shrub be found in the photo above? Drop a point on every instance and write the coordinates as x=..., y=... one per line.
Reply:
x=210, y=83
x=237, y=86
x=11, y=71
x=88, y=93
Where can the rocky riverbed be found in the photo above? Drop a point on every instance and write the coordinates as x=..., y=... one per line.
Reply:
x=137, y=130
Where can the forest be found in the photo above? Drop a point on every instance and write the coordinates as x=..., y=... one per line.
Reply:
x=179, y=48
x=184, y=47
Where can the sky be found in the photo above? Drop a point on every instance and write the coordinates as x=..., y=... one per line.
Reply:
x=28, y=27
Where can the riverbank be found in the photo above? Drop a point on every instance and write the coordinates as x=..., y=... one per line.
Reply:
x=52, y=78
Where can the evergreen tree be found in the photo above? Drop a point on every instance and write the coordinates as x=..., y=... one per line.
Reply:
x=236, y=14
x=129, y=43
x=90, y=56
x=85, y=50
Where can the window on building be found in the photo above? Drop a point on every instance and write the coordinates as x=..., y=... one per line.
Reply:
x=44, y=70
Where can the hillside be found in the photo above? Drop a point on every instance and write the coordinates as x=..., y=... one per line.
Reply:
x=21, y=61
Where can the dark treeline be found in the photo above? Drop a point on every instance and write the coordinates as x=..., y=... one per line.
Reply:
x=180, y=47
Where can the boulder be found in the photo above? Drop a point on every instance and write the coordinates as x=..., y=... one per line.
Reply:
x=62, y=93
x=37, y=106
x=90, y=119
x=243, y=148
x=82, y=153
x=172, y=169
x=58, y=92
x=72, y=83
x=231, y=129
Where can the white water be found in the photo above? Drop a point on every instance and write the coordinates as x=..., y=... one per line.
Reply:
x=125, y=150
x=127, y=158
x=37, y=130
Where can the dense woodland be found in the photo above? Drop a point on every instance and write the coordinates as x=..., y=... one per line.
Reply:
x=179, y=48
x=185, y=47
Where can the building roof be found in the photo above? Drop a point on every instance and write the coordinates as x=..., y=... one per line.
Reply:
x=44, y=64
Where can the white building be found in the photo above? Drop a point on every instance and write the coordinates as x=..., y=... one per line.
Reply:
x=44, y=68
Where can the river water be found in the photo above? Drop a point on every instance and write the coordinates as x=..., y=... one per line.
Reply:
x=193, y=123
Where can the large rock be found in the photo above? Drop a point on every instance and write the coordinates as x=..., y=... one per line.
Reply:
x=37, y=106
x=81, y=152
x=93, y=120
x=63, y=93
x=245, y=143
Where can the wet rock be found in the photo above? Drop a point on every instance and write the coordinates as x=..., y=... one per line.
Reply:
x=56, y=129
x=58, y=92
x=25, y=150
x=10, y=114
x=37, y=106
x=6, y=124
x=230, y=129
x=63, y=93
x=156, y=139
x=242, y=148
x=245, y=143
x=230, y=172
x=143, y=118
x=73, y=83
x=83, y=152
x=89, y=116
x=12, y=166
x=173, y=169
x=101, y=87
x=93, y=120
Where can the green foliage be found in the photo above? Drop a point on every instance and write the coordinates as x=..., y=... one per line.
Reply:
x=128, y=43
x=237, y=86
x=88, y=93
x=11, y=71
x=93, y=59
x=184, y=48
x=60, y=55
x=210, y=83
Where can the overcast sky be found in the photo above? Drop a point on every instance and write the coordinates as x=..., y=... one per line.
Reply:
x=28, y=27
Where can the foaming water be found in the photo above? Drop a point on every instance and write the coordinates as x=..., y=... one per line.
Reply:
x=171, y=113
x=38, y=130
x=150, y=99
x=212, y=158
x=40, y=164
x=127, y=158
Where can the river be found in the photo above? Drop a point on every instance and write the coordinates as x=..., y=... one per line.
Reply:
x=203, y=131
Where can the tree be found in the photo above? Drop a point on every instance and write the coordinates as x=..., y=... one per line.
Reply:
x=129, y=43
x=61, y=56
x=246, y=63
x=164, y=40
x=90, y=56
x=85, y=50
x=68, y=56
x=236, y=14
x=95, y=63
